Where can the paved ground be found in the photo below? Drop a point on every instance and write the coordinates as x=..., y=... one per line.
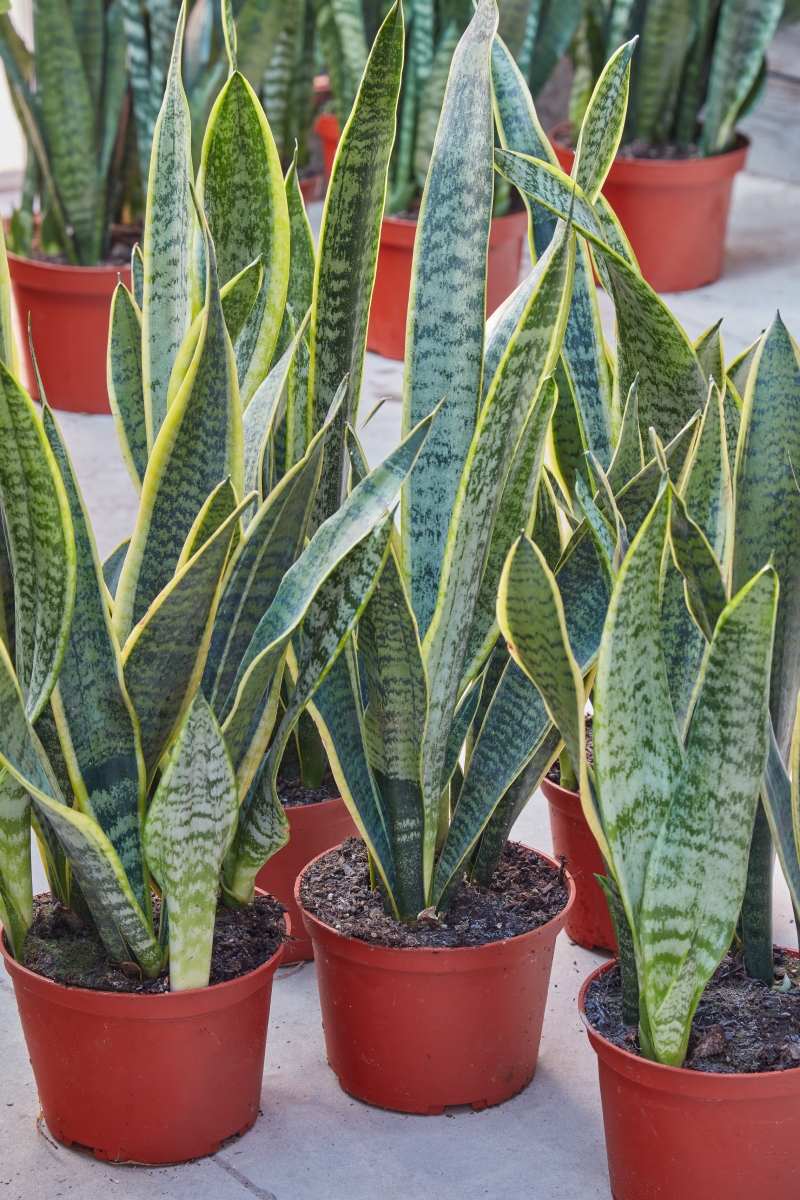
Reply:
x=312, y=1142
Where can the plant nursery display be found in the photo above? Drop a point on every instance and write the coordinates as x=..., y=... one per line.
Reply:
x=140, y=695
x=671, y=184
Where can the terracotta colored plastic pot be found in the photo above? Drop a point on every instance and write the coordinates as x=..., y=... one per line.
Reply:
x=149, y=1079
x=312, y=188
x=589, y=921
x=387, y=321
x=675, y=212
x=326, y=128
x=69, y=309
x=315, y=828
x=673, y=1134
x=418, y=1030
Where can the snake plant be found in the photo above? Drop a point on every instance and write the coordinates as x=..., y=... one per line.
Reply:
x=705, y=56
x=139, y=695
x=70, y=97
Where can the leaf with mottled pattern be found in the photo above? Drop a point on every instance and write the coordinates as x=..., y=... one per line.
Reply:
x=125, y=386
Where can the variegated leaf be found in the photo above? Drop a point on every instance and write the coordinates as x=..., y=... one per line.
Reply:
x=125, y=386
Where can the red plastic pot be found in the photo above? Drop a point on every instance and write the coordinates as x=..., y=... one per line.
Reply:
x=673, y=1134
x=69, y=309
x=326, y=128
x=675, y=212
x=589, y=921
x=148, y=1079
x=387, y=320
x=418, y=1030
x=312, y=187
x=314, y=828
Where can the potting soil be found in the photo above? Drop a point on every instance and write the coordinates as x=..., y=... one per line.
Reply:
x=525, y=892
x=292, y=794
x=741, y=1025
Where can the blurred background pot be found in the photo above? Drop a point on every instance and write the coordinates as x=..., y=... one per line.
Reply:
x=69, y=309
x=675, y=1134
x=589, y=921
x=674, y=211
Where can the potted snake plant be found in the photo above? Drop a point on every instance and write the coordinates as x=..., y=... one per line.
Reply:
x=671, y=183
x=140, y=694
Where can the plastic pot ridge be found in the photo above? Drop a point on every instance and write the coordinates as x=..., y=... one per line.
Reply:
x=417, y=1030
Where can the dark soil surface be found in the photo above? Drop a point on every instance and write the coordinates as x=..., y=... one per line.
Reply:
x=741, y=1025
x=292, y=794
x=665, y=152
x=525, y=892
x=62, y=947
x=122, y=240
x=554, y=774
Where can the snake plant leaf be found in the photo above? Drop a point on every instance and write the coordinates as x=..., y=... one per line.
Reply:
x=394, y=724
x=217, y=508
x=241, y=189
x=68, y=120
x=164, y=656
x=745, y=30
x=337, y=709
x=711, y=353
x=638, y=754
x=98, y=729
x=706, y=596
x=691, y=899
x=613, y=233
x=628, y=457
x=738, y=370
x=599, y=532
x=531, y=618
x=431, y=102
x=707, y=490
x=463, y=719
x=38, y=530
x=259, y=416
x=779, y=795
x=272, y=542
x=302, y=256
x=348, y=252
x=767, y=520
x=168, y=225
x=137, y=275
x=583, y=356
x=666, y=36
x=445, y=330
x=189, y=827
x=329, y=619
x=238, y=296
x=546, y=532
x=112, y=566
x=601, y=131
x=8, y=343
x=258, y=28
x=125, y=384
x=115, y=87
x=515, y=512
x=361, y=511
x=529, y=359
x=199, y=445
x=16, y=887
x=557, y=23
x=297, y=403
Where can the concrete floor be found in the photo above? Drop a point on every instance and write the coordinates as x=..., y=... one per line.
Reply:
x=311, y=1141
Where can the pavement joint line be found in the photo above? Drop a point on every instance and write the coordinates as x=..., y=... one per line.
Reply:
x=262, y=1193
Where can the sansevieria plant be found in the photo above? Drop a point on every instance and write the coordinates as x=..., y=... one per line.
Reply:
x=139, y=696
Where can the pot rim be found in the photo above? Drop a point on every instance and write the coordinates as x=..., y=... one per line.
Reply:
x=427, y=957
x=162, y=1006
x=401, y=231
x=660, y=172
x=100, y=269
x=680, y=1080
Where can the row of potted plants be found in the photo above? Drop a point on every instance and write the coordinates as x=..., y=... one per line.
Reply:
x=266, y=604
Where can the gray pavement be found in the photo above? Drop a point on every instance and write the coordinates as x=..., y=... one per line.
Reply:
x=311, y=1141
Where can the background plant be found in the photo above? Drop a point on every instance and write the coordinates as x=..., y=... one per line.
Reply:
x=706, y=57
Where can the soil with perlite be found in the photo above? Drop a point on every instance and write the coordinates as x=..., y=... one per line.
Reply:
x=741, y=1025
x=67, y=949
x=525, y=893
x=292, y=794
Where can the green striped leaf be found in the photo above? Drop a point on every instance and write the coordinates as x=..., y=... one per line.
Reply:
x=445, y=330
x=16, y=887
x=394, y=725
x=165, y=654
x=711, y=354
x=189, y=827
x=260, y=415
x=628, y=457
x=767, y=519
x=666, y=37
x=738, y=371
x=8, y=343
x=302, y=257
x=168, y=227
x=348, y=251
x=637, y=752
x=691, y=898
x=115, y=87
x=38, y=530
x=258, y=28
x=125, y=385
x=328, y=620
x=217, y=508
x=199, y=445
x=240, y=186
x=112, y=566
x=601, y=131
x=97, y=726
x=137, y=275
x=706, y=596
x=530, y=358
x=744, y=32
x=430, y=103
